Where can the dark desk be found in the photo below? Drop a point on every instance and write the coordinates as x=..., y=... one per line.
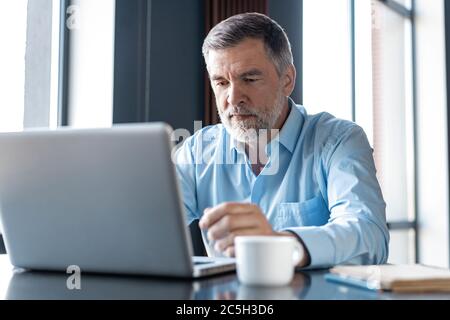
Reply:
x=307, y=285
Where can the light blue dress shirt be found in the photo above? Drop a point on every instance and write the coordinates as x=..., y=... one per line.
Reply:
x=320, y=183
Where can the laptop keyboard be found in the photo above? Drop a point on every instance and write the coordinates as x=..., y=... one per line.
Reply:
x=197, y=263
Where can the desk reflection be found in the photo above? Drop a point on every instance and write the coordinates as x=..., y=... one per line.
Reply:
x=308, y=285
x=230, y=289
x=36, y=285
x=31, y=285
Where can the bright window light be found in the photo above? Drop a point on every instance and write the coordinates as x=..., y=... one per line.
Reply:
x=91, y=63
x=327, y=57
x=13, y=25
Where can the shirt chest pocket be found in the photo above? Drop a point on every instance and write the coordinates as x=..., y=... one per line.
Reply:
x=313, y=212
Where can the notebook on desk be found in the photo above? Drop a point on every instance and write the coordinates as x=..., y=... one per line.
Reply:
x=395, y=278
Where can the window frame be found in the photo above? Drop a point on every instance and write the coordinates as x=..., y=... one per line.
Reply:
x=447, y=60
x=409, y=225
x=402, y=225
x=64, y=58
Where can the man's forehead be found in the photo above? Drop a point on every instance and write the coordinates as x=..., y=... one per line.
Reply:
x=244, y=72
x=236, y=66
x=247, y=49
x=243, y=53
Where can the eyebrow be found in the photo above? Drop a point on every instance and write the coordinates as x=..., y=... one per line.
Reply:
x=216, y=78
x=250, y=73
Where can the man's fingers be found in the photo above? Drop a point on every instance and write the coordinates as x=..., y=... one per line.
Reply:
x=212, y=215
x=230, y=252
x=228, y=241
x=229, y=223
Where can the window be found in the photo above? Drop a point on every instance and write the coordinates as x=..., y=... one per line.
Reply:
x=29, y=63
x=393, y=121
x=326, y=57
x=91, y=57
x=358, y=65
x=13, y=24
x=432, y=132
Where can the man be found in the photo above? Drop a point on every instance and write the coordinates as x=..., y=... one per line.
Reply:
x=313, y=177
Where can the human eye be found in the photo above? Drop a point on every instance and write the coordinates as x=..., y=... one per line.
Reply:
x=221, y=83
x=250, y=80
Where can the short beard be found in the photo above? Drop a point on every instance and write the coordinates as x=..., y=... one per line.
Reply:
x=249, y=130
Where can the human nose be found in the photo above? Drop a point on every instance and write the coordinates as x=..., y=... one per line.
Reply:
x=236, y=96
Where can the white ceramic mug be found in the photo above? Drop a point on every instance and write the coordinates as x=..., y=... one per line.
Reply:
x=267, y=260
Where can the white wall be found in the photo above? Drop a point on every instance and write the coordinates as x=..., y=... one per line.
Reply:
x=433, y=202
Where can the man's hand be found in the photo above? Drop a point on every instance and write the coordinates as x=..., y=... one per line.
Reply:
x=229, y=220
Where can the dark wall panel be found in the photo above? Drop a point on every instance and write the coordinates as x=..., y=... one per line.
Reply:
x=289, y=13
x=176, y=69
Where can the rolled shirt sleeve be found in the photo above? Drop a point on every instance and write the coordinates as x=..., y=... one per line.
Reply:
x=357, y=231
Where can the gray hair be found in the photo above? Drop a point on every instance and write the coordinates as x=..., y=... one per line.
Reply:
x=235, y=29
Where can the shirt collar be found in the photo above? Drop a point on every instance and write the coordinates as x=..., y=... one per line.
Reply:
x=292, y=127
x=236, y=146
x=288, y=135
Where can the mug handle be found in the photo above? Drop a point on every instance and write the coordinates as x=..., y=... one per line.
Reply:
x=298, y=253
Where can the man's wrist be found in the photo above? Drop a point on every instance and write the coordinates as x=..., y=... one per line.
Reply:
x=306, y=259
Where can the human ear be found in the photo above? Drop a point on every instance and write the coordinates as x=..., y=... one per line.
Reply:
x=289, y=77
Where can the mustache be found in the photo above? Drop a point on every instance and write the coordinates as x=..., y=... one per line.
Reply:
x=240, y=111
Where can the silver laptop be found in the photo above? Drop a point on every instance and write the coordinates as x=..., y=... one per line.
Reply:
x=105, y=200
